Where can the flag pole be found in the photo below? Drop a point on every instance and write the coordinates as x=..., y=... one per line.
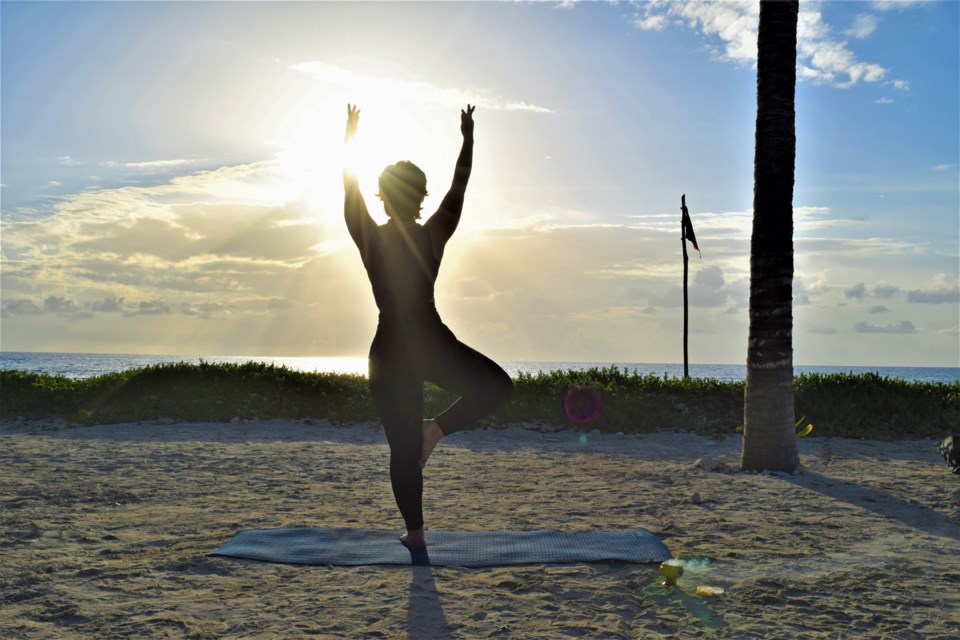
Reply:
x=683, y=243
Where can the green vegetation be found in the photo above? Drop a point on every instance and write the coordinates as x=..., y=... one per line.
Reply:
x=859, y=406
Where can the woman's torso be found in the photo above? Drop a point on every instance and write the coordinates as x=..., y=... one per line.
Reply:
x=402, y=270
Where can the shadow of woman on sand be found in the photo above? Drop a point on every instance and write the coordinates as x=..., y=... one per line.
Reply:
x=425, y=617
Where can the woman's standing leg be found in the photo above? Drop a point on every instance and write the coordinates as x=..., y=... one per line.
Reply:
x=398, y=393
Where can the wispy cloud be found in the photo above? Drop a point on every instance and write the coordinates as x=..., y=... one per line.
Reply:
x=67, y=161
x=153, y=165
x=936, y=296
x=411, y=91
x=821, y=57
x=651, y=22
x=903, y=326
x=139, y=242
x=740, y=223
x=21, y=307
x=863, y=26
x=59, y=304
x=885, y=291
x=110, y=304
x=893, y=5
x=857, y=291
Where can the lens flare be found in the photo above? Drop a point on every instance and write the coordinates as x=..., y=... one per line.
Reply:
x=582, y=404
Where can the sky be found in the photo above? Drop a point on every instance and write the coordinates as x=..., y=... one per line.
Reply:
x=171, y=175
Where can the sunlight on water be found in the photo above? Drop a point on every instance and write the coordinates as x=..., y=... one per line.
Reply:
x=335, y=365
x=82, y=365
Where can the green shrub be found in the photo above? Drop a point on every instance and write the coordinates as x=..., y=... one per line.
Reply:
x=865, y=406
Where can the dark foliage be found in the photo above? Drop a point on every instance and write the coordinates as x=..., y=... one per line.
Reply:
x=859, y=406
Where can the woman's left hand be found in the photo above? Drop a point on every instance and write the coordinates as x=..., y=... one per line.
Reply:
x=466, y=121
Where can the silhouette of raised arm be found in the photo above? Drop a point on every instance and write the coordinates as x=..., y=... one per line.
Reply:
x=359, y=222
x=443, y=223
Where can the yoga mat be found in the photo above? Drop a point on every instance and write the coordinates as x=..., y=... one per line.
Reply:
x=348, y=547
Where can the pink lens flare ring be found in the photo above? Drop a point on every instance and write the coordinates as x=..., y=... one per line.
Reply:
x=582, y=403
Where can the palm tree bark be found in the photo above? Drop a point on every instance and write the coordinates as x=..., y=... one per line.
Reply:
x=769, y=441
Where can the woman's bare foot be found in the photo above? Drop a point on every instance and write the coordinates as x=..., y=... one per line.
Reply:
x=431, y=436
x=414, y=540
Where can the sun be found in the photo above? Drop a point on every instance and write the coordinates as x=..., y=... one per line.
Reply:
x=313, y=156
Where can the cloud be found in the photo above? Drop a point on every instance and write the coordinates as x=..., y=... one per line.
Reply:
x=800, y=295
x=210, y=234
x=936, y=296
x=149, y=308
x=711, y=277
x=153, y=165
x=884, y=100
x=944, y=167
x=21, y=307
x=733, y=23
x=110, y=304
x=231, y=261
x=885, y=290
x=67, y=161
x=901, y=85
x=903, y=327
x=892, y=5
x=878, y=309
x=863, y=247
x=279, y=303
x=711, y=224
x=821, y=57
x=826, y=331
x=856, y=292
x=197, y=230
x=651, y=22
x=202, y=309
x=59, y=304
x=409, y=91
x=710, y=289
x=863, y=26
x=470, y=287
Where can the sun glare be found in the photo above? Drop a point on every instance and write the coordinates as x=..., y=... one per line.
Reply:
x=313, y=154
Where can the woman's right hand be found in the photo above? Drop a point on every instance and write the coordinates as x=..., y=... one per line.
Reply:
x=353, y=118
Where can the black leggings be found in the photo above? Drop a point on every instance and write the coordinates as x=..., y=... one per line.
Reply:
x=401, y=360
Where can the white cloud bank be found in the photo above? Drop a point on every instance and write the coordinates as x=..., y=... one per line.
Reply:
x=822, y=57
x=411, y=91
x=227, y=261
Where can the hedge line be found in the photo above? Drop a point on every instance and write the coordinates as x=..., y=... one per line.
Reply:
x=862, y=405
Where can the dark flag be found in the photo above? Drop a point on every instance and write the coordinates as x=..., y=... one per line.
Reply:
x=687, y=225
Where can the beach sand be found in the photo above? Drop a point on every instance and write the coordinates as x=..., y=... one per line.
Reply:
x=105, y=532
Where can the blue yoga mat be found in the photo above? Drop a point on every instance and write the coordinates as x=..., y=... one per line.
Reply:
x=349, y=547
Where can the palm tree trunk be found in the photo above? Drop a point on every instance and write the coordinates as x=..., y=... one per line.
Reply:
x=768, y=433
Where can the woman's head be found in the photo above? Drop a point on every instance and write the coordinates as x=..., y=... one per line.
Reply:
x=403, y=186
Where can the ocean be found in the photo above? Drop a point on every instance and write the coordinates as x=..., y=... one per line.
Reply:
x=85, y=365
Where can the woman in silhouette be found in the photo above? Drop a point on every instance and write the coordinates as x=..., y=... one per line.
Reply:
x=412, y=345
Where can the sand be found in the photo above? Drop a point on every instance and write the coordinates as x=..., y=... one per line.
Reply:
x=105, y=532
